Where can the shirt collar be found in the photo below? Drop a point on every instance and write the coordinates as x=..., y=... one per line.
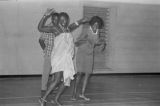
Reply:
x=93, y=32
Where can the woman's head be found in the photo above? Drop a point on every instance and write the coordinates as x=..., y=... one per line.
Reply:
x=96, y=23
x=55, y=18
x=64, y=19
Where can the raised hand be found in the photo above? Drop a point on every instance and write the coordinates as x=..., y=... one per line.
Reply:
x=84, y=20
x=49, y=11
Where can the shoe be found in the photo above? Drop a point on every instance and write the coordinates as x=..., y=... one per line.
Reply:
x=42, y=101
x=83, y=97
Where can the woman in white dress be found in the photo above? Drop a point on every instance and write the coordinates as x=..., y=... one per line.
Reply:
x=61, y=58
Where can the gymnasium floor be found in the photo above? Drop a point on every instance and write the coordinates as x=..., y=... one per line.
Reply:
x=104, y=90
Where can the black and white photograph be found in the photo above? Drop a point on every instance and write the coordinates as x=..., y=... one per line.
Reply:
x=79, y=52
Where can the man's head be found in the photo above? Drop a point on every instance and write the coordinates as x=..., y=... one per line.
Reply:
x=63, y=19
x=96, y=23
x=55, y=18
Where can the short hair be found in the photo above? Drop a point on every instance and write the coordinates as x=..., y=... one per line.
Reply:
x=55, y=15
x=97, y=19
x=64, y=14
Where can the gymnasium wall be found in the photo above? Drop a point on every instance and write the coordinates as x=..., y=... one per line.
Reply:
x=20, y=52
x=134, y=35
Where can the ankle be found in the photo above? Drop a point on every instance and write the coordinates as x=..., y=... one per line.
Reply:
x=43, y=92
x=82, y=94
x=57, y=102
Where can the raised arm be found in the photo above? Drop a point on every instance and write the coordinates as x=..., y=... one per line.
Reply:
x=42, y=27
x=76, y=24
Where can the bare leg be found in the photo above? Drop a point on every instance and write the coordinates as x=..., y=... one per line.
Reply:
x=52, y=86
x=59, y=93
x=85, y=82
x=51, y=81
x=76, y=84
x=45, y=75
x=53, y=78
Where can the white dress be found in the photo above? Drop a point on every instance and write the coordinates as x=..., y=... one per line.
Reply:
x=62, y=54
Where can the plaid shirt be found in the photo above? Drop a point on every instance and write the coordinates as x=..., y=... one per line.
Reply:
x=49, y=42
x=49, y=39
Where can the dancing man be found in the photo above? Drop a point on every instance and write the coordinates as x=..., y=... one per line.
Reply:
x=61, y=58
x=46, y=42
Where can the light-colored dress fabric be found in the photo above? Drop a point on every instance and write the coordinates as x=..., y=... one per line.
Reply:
x=61, y=57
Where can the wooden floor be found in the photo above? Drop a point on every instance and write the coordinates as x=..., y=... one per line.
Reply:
x=104, y=90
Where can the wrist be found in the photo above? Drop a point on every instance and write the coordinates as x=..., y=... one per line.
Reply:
x=77, y=23
x=44, y=16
